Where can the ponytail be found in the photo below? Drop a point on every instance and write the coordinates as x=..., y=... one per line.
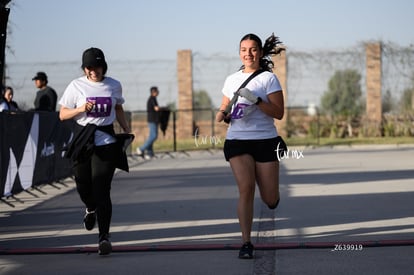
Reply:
x=272, y=46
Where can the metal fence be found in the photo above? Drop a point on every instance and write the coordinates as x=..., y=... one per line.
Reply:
x=304, y=124
x=308, y=74
x=206, y=133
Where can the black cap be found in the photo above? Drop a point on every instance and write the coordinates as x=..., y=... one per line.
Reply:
x=93, y=57
x=40, y=76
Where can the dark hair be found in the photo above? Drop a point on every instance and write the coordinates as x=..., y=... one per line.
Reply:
x=9, y=88
x=153, y=89
x=271, y=47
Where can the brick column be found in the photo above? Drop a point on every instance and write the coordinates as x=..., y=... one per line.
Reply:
x=373, y=86
x=280, y=70
x=185, y=94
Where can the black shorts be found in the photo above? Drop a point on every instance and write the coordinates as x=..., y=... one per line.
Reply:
x=262, y=150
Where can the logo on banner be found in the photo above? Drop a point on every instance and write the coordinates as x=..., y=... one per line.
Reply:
x=25, y=169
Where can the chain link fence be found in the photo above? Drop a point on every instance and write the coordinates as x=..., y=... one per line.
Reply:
x=308, y=74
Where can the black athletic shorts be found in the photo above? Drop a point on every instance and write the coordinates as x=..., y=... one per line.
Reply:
x=262, y=150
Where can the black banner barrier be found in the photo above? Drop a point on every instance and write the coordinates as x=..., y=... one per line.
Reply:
x=31, y=149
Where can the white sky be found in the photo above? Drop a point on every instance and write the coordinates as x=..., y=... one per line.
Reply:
x=57, y=30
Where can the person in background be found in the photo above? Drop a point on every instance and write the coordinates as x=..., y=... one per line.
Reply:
x=46, y=96
x=251, y=140
x=94, y=101
x=7, y=103
x=147, y=150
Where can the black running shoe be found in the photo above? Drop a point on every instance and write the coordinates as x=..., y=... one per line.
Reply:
x=246, y=251
x=89, y=220
x=105, y=246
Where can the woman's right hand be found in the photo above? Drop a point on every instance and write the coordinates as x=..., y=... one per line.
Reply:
x=221, y=115
x=68, y=113
x=87, y=107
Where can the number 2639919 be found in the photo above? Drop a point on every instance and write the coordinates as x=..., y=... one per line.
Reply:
x=348, y=247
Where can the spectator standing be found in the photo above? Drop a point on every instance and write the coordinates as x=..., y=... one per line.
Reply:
x=7, y=102
x=147, y=149
x=46, y=96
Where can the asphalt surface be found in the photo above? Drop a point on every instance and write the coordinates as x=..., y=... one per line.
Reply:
x=343, y=210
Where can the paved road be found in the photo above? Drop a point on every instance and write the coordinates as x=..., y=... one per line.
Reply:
x=344, y=210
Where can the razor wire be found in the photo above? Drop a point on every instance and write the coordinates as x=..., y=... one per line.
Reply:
x=308, y=74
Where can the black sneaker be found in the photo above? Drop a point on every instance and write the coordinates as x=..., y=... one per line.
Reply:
x=105, y=246
x=246, y=251
x=89, y=220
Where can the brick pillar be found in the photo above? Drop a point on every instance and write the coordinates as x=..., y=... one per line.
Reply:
x=185, y=94
x=373, y=86
x=280, y=70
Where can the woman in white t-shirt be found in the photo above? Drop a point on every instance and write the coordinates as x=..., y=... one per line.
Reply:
x=251, y=141
x=94, y=101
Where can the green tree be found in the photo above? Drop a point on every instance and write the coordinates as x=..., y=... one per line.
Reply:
x=344, y=94
x=202, y=105
x=202, y=100
x=171, y=106
x=388, y=102
x=343, y=98
x=406, y=100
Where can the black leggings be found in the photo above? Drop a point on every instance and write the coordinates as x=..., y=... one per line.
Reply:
x=93, y=181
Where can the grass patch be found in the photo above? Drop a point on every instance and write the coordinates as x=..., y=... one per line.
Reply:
x=191, y=144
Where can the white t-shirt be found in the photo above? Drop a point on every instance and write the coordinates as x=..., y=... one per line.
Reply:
x=106, y=94
x=4, y=106
x=248, y=121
